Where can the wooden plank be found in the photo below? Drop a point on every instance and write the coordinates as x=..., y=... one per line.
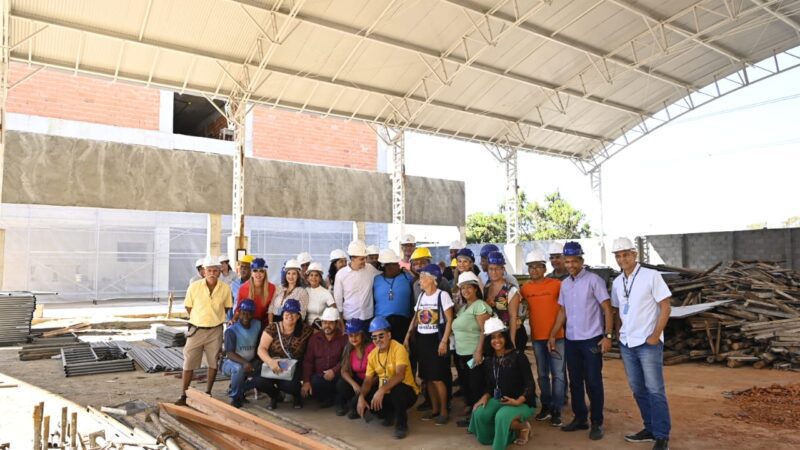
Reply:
x=244, y=432
x=203, y=402
x=66, y=330
x=221, y=440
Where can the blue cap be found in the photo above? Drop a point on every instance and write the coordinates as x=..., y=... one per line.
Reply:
x=466, y=252
x=247, y=305
x=291, y=305
x=496, y=258
x=432, y=269
x=573, y=249
x=258, y=264
x=488, y=248
x=379, y=323
x=354, y=326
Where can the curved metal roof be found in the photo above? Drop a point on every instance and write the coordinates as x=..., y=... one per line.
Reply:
x=578, y=79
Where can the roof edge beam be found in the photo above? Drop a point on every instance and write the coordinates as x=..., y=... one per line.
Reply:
x=778, y=15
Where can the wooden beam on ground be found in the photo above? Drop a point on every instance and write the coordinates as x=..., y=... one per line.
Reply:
x=211, y=406
x=222, y=440
x=244, y=432
x=67, y=330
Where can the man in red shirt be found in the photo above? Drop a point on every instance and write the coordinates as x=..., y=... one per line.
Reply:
x=322, y=363
x=541, y=293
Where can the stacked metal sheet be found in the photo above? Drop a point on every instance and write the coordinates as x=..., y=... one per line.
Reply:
x=157, y=359
x=86, y=360
x=43, y=348
x=171, y=337
x=16, y=313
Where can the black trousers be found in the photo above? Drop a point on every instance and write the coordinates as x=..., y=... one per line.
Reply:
x=471, y=380
x=273, y=388
x=396, y=403
x=322, y=389
x=345, y=395
x=399, y=327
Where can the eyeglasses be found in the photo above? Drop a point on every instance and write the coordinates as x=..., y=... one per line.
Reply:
x=378, y=337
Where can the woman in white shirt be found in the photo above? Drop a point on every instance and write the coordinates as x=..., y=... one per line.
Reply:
x=290, y=288
x=319, y=297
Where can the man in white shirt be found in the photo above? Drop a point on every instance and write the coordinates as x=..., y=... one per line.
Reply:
x=353, y=289
x=641, y=300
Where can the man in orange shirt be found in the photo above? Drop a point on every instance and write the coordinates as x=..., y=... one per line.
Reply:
x=541, y=293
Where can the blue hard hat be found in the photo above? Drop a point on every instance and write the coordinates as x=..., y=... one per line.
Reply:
x=379, y=324
x=247, y=305
x=291, y=305
x=258, y=264
x=354, y=326
x=496, y=258
x=488, y=248
x=466, y=252
x=432, y=269
x=573, y=249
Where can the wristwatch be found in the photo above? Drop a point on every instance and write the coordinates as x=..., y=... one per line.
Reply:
x=610, y=336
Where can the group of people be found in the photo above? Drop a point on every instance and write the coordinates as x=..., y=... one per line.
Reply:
x=378, y=331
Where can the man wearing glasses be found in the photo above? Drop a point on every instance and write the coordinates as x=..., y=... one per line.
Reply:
x=541, y=295
x=389, y=389
x=641, y=299
x=556, y=252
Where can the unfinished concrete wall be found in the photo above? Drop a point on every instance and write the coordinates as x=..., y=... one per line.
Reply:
x=52, y=170
x=702, y=250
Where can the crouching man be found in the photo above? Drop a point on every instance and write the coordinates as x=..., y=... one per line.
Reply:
x=240, y=343
x=322, y=363
x=389, y=388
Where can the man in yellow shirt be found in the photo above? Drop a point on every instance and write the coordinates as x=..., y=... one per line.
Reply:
x=207, y=301
x=389, y=388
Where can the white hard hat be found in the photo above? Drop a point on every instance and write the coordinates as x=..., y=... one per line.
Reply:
x=622, y=243
x=224, y=258
x=292, y=264
x=456, y=245
x=556, y=248
x=330, y=314
x=304, y=257
x=338, y=254
x=535, y=256
x=408, y=239
x=315, y=267
x=357, y=248
x=388, y=256
x=468, y=277
x=493, y=325
x=210, y=261
x=199, y=262
x=373, y=250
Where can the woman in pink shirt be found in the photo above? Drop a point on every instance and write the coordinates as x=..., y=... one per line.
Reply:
x=354, y=368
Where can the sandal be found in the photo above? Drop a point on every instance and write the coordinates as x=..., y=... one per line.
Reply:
x=524, y=434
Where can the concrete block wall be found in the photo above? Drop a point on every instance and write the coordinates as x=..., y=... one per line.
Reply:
x=702, y=250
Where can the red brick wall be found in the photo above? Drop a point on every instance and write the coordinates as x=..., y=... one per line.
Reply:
x=306, y=138
x=212, y=130
x=61, y=95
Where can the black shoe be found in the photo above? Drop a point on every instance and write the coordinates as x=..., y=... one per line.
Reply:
x=462, y=423
x=368, y=416
x=387, y=421
x=273, y=403
x=400, y=432
x=543, y=415
x=575, y=425
x=297, y=403
x=341, y=410
x=596, y=433
x=661, y=444
x=642, y=436
x=555, y=421
x=353, y=414
x=325, y=404
x=425, y=406
x=236, y=403
x=429, y=417
x=181, y=401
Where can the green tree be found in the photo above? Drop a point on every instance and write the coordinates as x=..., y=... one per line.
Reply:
x=486, y=228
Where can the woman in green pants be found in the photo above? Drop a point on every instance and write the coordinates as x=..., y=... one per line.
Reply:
x=500, y=417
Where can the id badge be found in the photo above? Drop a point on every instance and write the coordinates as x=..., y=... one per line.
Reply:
x=625, y=309
x=497, y=394
x=384, y=381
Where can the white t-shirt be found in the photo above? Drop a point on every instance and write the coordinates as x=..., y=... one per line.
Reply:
x=427, y=311
x=353, y=292
x=639, y=312
x=319, y=298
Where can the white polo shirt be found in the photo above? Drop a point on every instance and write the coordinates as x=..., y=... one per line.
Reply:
x=353, y=292
x=639, y=311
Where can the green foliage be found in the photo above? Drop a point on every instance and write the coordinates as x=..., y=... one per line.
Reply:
x=554, y=219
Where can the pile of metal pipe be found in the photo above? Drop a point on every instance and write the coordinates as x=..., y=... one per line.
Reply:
x=86, y=361
x=16, y=313
x=157, y=359
x=171, y=337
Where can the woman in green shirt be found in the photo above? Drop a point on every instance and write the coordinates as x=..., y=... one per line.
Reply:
x=468, y=331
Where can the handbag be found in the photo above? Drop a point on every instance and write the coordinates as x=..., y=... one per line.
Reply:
x=287, y=365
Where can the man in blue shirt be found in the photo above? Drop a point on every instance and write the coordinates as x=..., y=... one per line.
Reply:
x=392, y=293
x=240, y=344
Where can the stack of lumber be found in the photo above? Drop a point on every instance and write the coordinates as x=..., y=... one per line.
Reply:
x=16, y=313
x=229, y=428
x=758, y=325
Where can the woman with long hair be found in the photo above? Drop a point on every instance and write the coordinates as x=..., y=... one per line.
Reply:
x=319, y=298
x=505, y=300
x=258, y=289
x=290, y=288
x=338, y=261
x=354, y=367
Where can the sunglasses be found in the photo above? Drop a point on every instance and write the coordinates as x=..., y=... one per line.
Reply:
x=378, y=337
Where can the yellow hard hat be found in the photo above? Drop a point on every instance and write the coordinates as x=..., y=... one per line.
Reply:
x=453, y=263
x=421, y=252
x=247, y=259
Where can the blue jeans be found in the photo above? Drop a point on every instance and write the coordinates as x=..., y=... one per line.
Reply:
x=644, y=366
x=241, y=382
x=585, y=366
x=551, y=371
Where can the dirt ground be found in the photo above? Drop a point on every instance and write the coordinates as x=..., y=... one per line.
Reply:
x=702, y=417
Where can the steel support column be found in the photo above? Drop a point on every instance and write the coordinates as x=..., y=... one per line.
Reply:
x=5, y=8
x=236, y=110
x=596, y=181
x=394, y=138
x=512, y=198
